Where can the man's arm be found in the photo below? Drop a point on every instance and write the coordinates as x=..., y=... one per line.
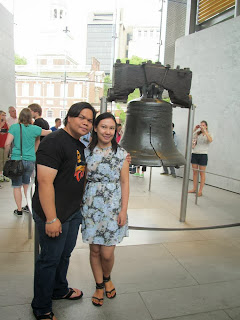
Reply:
x=45, y=177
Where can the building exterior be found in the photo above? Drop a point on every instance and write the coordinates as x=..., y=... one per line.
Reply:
x=7, y=77
x=56, y=82
x=144, y=42
x=106, y=39
x=211, y=50
x=175, y=28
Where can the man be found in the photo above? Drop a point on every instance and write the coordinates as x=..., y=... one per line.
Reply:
x=118, y=133
x=172, y=169
x=36, y=111
x=13, y=116
x=58, y=123
x=56, y=203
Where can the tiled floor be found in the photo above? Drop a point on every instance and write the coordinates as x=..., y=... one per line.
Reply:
x=184, y=275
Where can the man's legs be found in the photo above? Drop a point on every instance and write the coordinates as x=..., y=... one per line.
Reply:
x=52, y=264
x=165, y=170
x=61, y=273
x=172, y=170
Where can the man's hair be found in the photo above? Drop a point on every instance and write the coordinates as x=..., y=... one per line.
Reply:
x=57, y=119
x=36, y=108
x=76, y=108
x=9, y=108
x=119, y=125
x=25, y=117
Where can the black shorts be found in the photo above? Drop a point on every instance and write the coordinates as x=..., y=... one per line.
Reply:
x=200, y=159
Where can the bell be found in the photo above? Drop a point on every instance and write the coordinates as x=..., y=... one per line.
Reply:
x=148, y=134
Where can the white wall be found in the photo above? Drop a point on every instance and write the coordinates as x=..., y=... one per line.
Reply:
x=7, y=71
x=213, y=55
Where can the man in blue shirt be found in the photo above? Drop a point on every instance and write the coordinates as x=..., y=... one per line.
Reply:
x=58, y=123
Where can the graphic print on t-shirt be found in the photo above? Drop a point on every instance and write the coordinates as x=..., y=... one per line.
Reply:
x=80, y=168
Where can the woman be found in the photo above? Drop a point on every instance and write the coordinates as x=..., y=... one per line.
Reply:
x=105, y=202
x=201, y=141
x=29, y=135
x=3, y=136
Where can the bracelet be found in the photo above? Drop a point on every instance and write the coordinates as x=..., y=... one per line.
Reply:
x=50, y=222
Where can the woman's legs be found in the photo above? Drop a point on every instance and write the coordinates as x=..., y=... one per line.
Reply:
x=96, y=265
x=195, y=173
x=17, y=192
x=102, y=260
x=107, y=259
x=203, y=178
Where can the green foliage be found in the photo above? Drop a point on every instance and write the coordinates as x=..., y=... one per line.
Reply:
x=20, y=60
x=107, y=84
x=122, y=115
x=134, y=60
x=134, y=95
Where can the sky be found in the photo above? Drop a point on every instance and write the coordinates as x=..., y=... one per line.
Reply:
x=30, y=15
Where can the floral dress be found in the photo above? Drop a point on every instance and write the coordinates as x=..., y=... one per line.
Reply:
x=102, y=197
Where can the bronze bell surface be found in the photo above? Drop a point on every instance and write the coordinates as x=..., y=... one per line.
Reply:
x=148, y=134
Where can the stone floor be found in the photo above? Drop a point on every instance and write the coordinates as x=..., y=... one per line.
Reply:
x=184, y=275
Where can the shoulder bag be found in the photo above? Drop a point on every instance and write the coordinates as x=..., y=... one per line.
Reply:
x=14, y=168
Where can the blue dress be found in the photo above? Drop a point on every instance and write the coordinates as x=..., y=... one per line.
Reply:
x=102, y=197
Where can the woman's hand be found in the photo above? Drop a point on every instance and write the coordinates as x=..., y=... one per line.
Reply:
x=54, y=229
x=122, y=218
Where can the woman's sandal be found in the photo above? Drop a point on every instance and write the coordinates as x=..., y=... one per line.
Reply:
x=108, y=293
x=44, y=316
x=68, y=295
x=98, y=286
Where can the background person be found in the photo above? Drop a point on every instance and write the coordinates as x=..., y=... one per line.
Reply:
x=36, y=111
x=200, y=154
x=105, y=202
x=13, y=116
x=172, y=169
x=58, y=123
x=29, y=135
x=119, y=132
x=3, y=136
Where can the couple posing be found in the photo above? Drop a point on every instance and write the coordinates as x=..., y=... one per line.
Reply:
x=61, y=167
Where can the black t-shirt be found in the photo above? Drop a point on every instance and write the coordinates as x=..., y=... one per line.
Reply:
x=40, y=122
x=62, y=152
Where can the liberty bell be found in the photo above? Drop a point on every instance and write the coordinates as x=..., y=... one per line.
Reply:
x=148, y=135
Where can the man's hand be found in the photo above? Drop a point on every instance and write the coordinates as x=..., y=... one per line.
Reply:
x=54, y=229
x=129, y=158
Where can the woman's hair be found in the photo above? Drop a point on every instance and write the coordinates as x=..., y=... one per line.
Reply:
x=25, y=117
x=75, y=110
x=204, y=121
x=36, y=108
x=94, y=142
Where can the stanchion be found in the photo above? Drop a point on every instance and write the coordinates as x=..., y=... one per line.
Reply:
x=150, y=180
x=187, y=165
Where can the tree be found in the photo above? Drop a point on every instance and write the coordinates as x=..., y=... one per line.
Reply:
x=20, y=60
x=107, y=84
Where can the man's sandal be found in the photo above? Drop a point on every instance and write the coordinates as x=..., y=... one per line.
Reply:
x=44, y=316
x=108, y=293
x=98, y=286
x=68, y=295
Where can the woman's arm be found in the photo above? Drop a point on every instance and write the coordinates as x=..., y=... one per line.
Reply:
x=8, y=142
x=124, y=180
x=45, y=132
x=210, y=139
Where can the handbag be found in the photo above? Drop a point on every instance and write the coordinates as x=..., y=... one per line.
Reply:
x=14, y=168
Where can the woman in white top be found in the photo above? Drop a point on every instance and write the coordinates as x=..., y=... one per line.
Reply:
x=201, y=141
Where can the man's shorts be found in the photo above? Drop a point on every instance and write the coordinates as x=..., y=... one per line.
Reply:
x=25, y=178
x=200, y=159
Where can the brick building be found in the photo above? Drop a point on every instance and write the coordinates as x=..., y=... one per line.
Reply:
x=56, y=82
